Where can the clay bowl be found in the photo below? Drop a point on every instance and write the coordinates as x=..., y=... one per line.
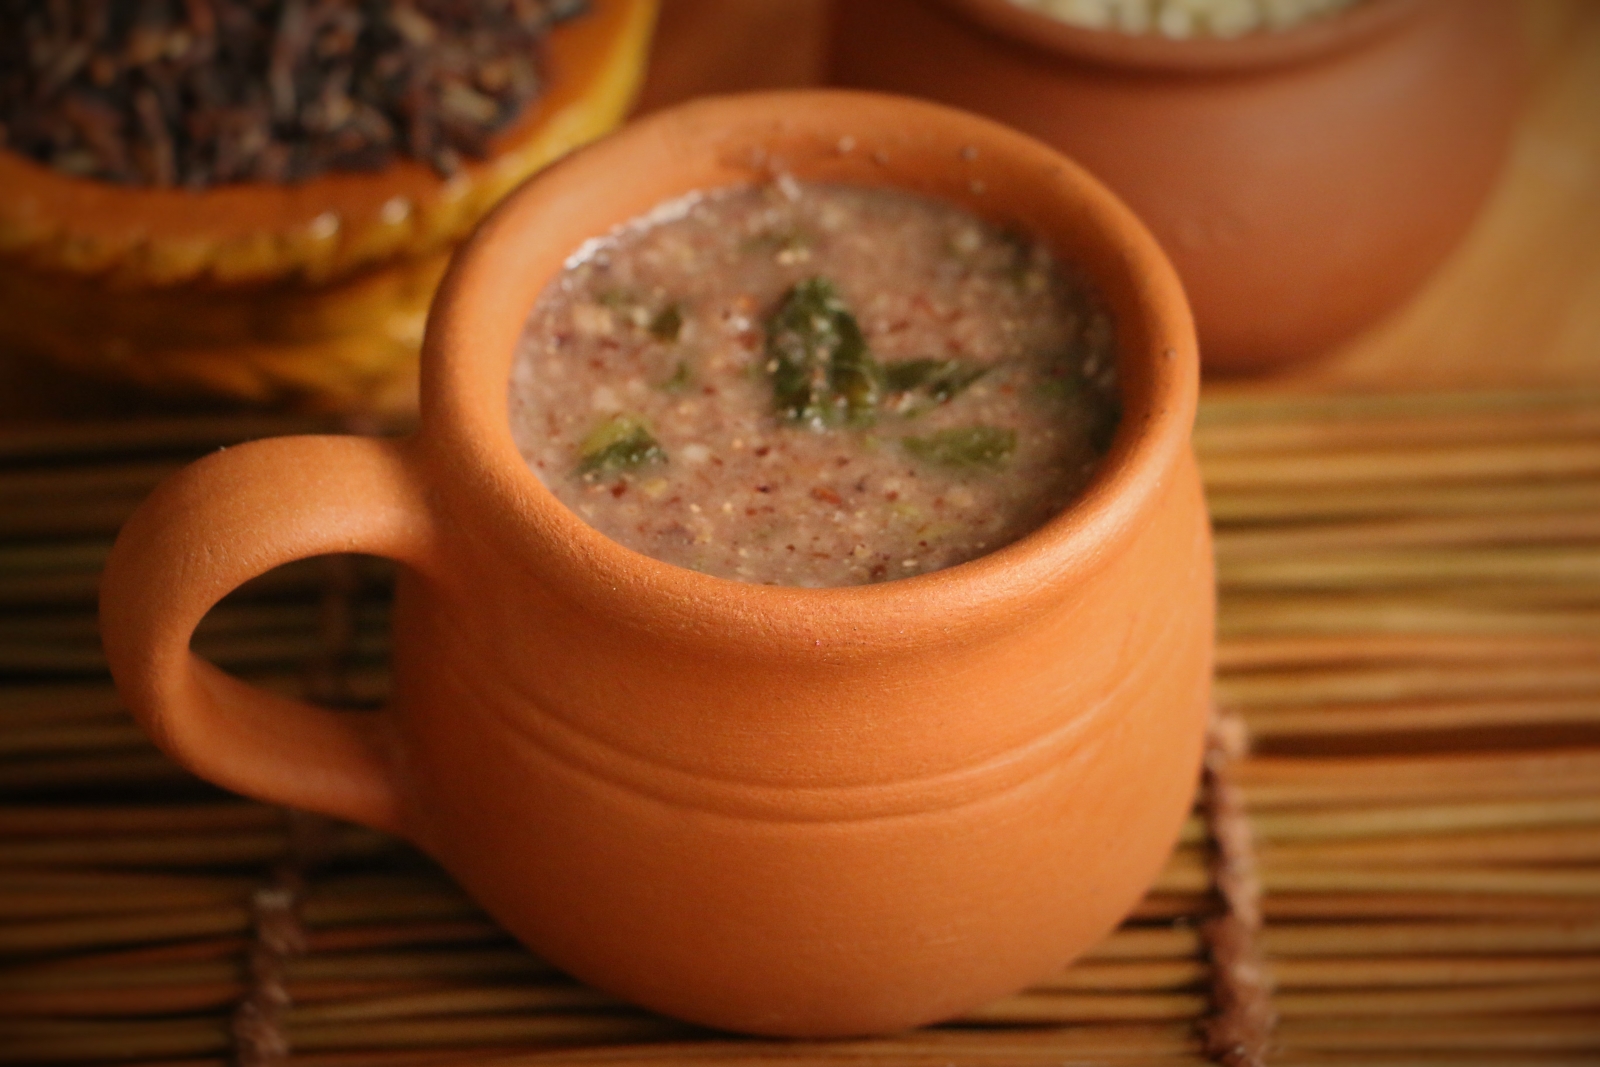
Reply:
x=789, y=811
x=313, y=294
x=1304, y=183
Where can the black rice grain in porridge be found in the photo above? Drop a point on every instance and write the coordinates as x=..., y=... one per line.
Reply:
x=814, y=385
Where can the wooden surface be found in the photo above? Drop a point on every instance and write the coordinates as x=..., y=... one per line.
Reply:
x=1517, y=305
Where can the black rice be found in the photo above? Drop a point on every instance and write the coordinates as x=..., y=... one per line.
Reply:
x=204, y=92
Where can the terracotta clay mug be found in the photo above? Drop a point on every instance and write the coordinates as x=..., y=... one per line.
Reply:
x=1304, y=182
x=778, y=810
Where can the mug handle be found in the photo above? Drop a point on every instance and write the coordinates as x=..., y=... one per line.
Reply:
x=206, y=530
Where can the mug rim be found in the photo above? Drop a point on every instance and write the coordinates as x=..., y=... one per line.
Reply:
x=470, y=345
x=1153, y=53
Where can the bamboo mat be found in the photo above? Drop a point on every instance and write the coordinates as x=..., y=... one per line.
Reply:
x=1400, y=829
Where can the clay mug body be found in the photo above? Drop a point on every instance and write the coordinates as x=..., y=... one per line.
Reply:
x=778, y=810
x=1304, y=182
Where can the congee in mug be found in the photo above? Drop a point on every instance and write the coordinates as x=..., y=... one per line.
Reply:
x=814, y=384
x=813, y=812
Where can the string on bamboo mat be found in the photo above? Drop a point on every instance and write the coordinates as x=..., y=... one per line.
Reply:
x=257, y=1029
x=278, y=935
x=1239, y=1030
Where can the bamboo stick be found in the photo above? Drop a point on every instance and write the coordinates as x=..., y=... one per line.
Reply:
x=158, y=1001
x=1212, y=439
x=1219, y=407
x=1186, y=872
x=1434, y=1058
x=1422, y=614
x=50, y=977
x=1256, y=504
x=1243, y=653
x=477, y=964
x=50, y=588
x=328, y=905
x=1490, y=849
x=1189, y=874
x=53, y=556
x=1280, y=689
x=78, y=821
x=1035, y=1009
x=1466, y=1033
x=42, y=657
x=1582, y=884
x=58, y=702
x=482, y=1000
x=1172, y=907
x=42, y=488
x=79, y=1039
x=81, y=736
x=1390, y=466
x=1147, y=943
x=123, y=768
x=437, y=904
x=102, y=516
x=26, y=905
x=115, y=883
x=1271, y=782
x=1579, y=997
x=124, y=929
x=173, y=999
x=1413, y=717
x=1574, y=598
x=228, y=848
x=1498, y=528
x=1173, y=974
x=1374, y=974
x=1515, y=937
x=550, y=1029
x=1302, y=825
x=146, y=964
x=1410, y=905
x=1391, y=568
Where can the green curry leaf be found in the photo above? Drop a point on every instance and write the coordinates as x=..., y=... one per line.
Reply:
x=822, y=372
x=934, y=380
x=964, y=446
x=619, y=443
x=682, y=378
x=667, y=324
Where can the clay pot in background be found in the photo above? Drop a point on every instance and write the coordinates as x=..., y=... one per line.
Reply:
x=781, y=810
x=312, y=294
x=1304, y=183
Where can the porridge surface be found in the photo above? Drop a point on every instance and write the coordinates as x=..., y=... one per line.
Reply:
x=814, y=385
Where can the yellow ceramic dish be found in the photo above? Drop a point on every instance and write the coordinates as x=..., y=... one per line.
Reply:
x=314, y=294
